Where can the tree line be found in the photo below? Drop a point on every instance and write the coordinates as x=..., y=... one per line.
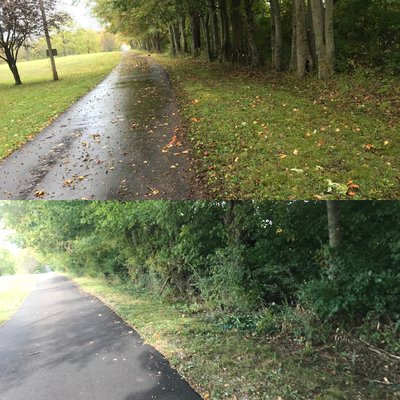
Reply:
x=338, y=259
x=300, y=35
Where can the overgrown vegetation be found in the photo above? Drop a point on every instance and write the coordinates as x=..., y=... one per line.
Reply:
x=270, y=355
x=265, y=272
x=270, y=136
x=27, y=109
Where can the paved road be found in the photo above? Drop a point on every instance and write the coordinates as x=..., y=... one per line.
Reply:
x=63, y=344
x=109, y=145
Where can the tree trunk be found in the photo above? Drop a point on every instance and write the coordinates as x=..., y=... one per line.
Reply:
x=277, y=35
x=329, y=37
x=196, y=34
x=182, y=29
x=293, y=54
x=15, y=72
x=206, y=31
x=301, y=39
x=335, y=228
x=12, y=64
x=172, y=40
x=48, y=40
x=237, y=31
x=317, y=9
x=215, y=35
x=254, y=54
x=177, y=38
x=225, y=32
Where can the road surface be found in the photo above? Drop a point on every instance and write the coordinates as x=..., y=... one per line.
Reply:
x=112, y=144
x=63, y=344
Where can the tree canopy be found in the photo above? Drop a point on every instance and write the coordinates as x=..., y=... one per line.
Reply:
x=299, y=34
x=231, y=255
x=20, y=21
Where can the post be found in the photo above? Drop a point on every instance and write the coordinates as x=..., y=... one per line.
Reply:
x=48, y=40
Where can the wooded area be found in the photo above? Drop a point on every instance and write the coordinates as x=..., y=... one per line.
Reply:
x=337, y=260
x=300, y=35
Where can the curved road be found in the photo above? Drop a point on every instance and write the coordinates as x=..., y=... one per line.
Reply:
x=111, y=144
x=63, y=344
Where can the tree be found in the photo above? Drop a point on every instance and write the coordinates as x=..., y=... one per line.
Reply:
x=322, y=16
x=21, y=20
x=277, y=35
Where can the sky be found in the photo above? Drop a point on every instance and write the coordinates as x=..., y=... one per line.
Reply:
x=80, y=14
x=5, y=241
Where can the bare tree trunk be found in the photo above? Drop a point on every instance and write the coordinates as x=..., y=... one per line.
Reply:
x=277, y=35
x=12, y=64
x=329, y=36
x=225, y=31
x=293, y=53
x=177, y=38
x=317, y=9
x=172, y=40
x=301, y=39
x=254, y=54
x=335, y=228
x=237, y=31
x=196, y=34
x=182, y=29
x=206, y=31
x=215, y=34
x=48, y=40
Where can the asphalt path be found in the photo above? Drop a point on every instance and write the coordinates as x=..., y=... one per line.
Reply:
x=118, y=142
x=64, y=344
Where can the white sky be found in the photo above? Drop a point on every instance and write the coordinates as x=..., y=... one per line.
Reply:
x=5, y=242
x=80, y=14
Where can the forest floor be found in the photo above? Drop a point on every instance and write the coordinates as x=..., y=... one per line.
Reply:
x=27, y=109
x=263, y=135
x=13, y=291
x=222, y=361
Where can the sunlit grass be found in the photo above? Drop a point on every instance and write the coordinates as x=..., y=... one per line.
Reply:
x=13, y=291
x=25, y=110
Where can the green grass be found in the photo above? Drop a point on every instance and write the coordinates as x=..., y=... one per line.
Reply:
x=230, y=364
x=13, y=291
x=263, y=135
x=25, y=110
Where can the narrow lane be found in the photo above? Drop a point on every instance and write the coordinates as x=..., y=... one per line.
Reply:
x=112, y=144
x=63, y=344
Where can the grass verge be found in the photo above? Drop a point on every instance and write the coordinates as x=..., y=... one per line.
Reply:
x=27, y=109
x=13, y=291
x=228, y=363
x=263, y=135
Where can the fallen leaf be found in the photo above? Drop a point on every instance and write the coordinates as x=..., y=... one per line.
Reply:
x=369, y=147
x=40, y=193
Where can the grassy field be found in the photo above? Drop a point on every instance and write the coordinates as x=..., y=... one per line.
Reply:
x=261, y=135
x=27, y=109
x=222, y=362
x=13, y=291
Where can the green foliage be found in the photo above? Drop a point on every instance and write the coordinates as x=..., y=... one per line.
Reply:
x=236, y=257
x=7, y=263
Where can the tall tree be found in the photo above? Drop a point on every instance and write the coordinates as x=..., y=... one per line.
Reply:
x=322, y=16
x=21, y=20
x=277, y=35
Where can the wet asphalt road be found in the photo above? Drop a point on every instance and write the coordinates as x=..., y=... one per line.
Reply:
x=112, y=144
x=63, y=344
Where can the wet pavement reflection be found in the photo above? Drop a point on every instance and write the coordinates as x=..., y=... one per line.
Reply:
x=118, y=142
